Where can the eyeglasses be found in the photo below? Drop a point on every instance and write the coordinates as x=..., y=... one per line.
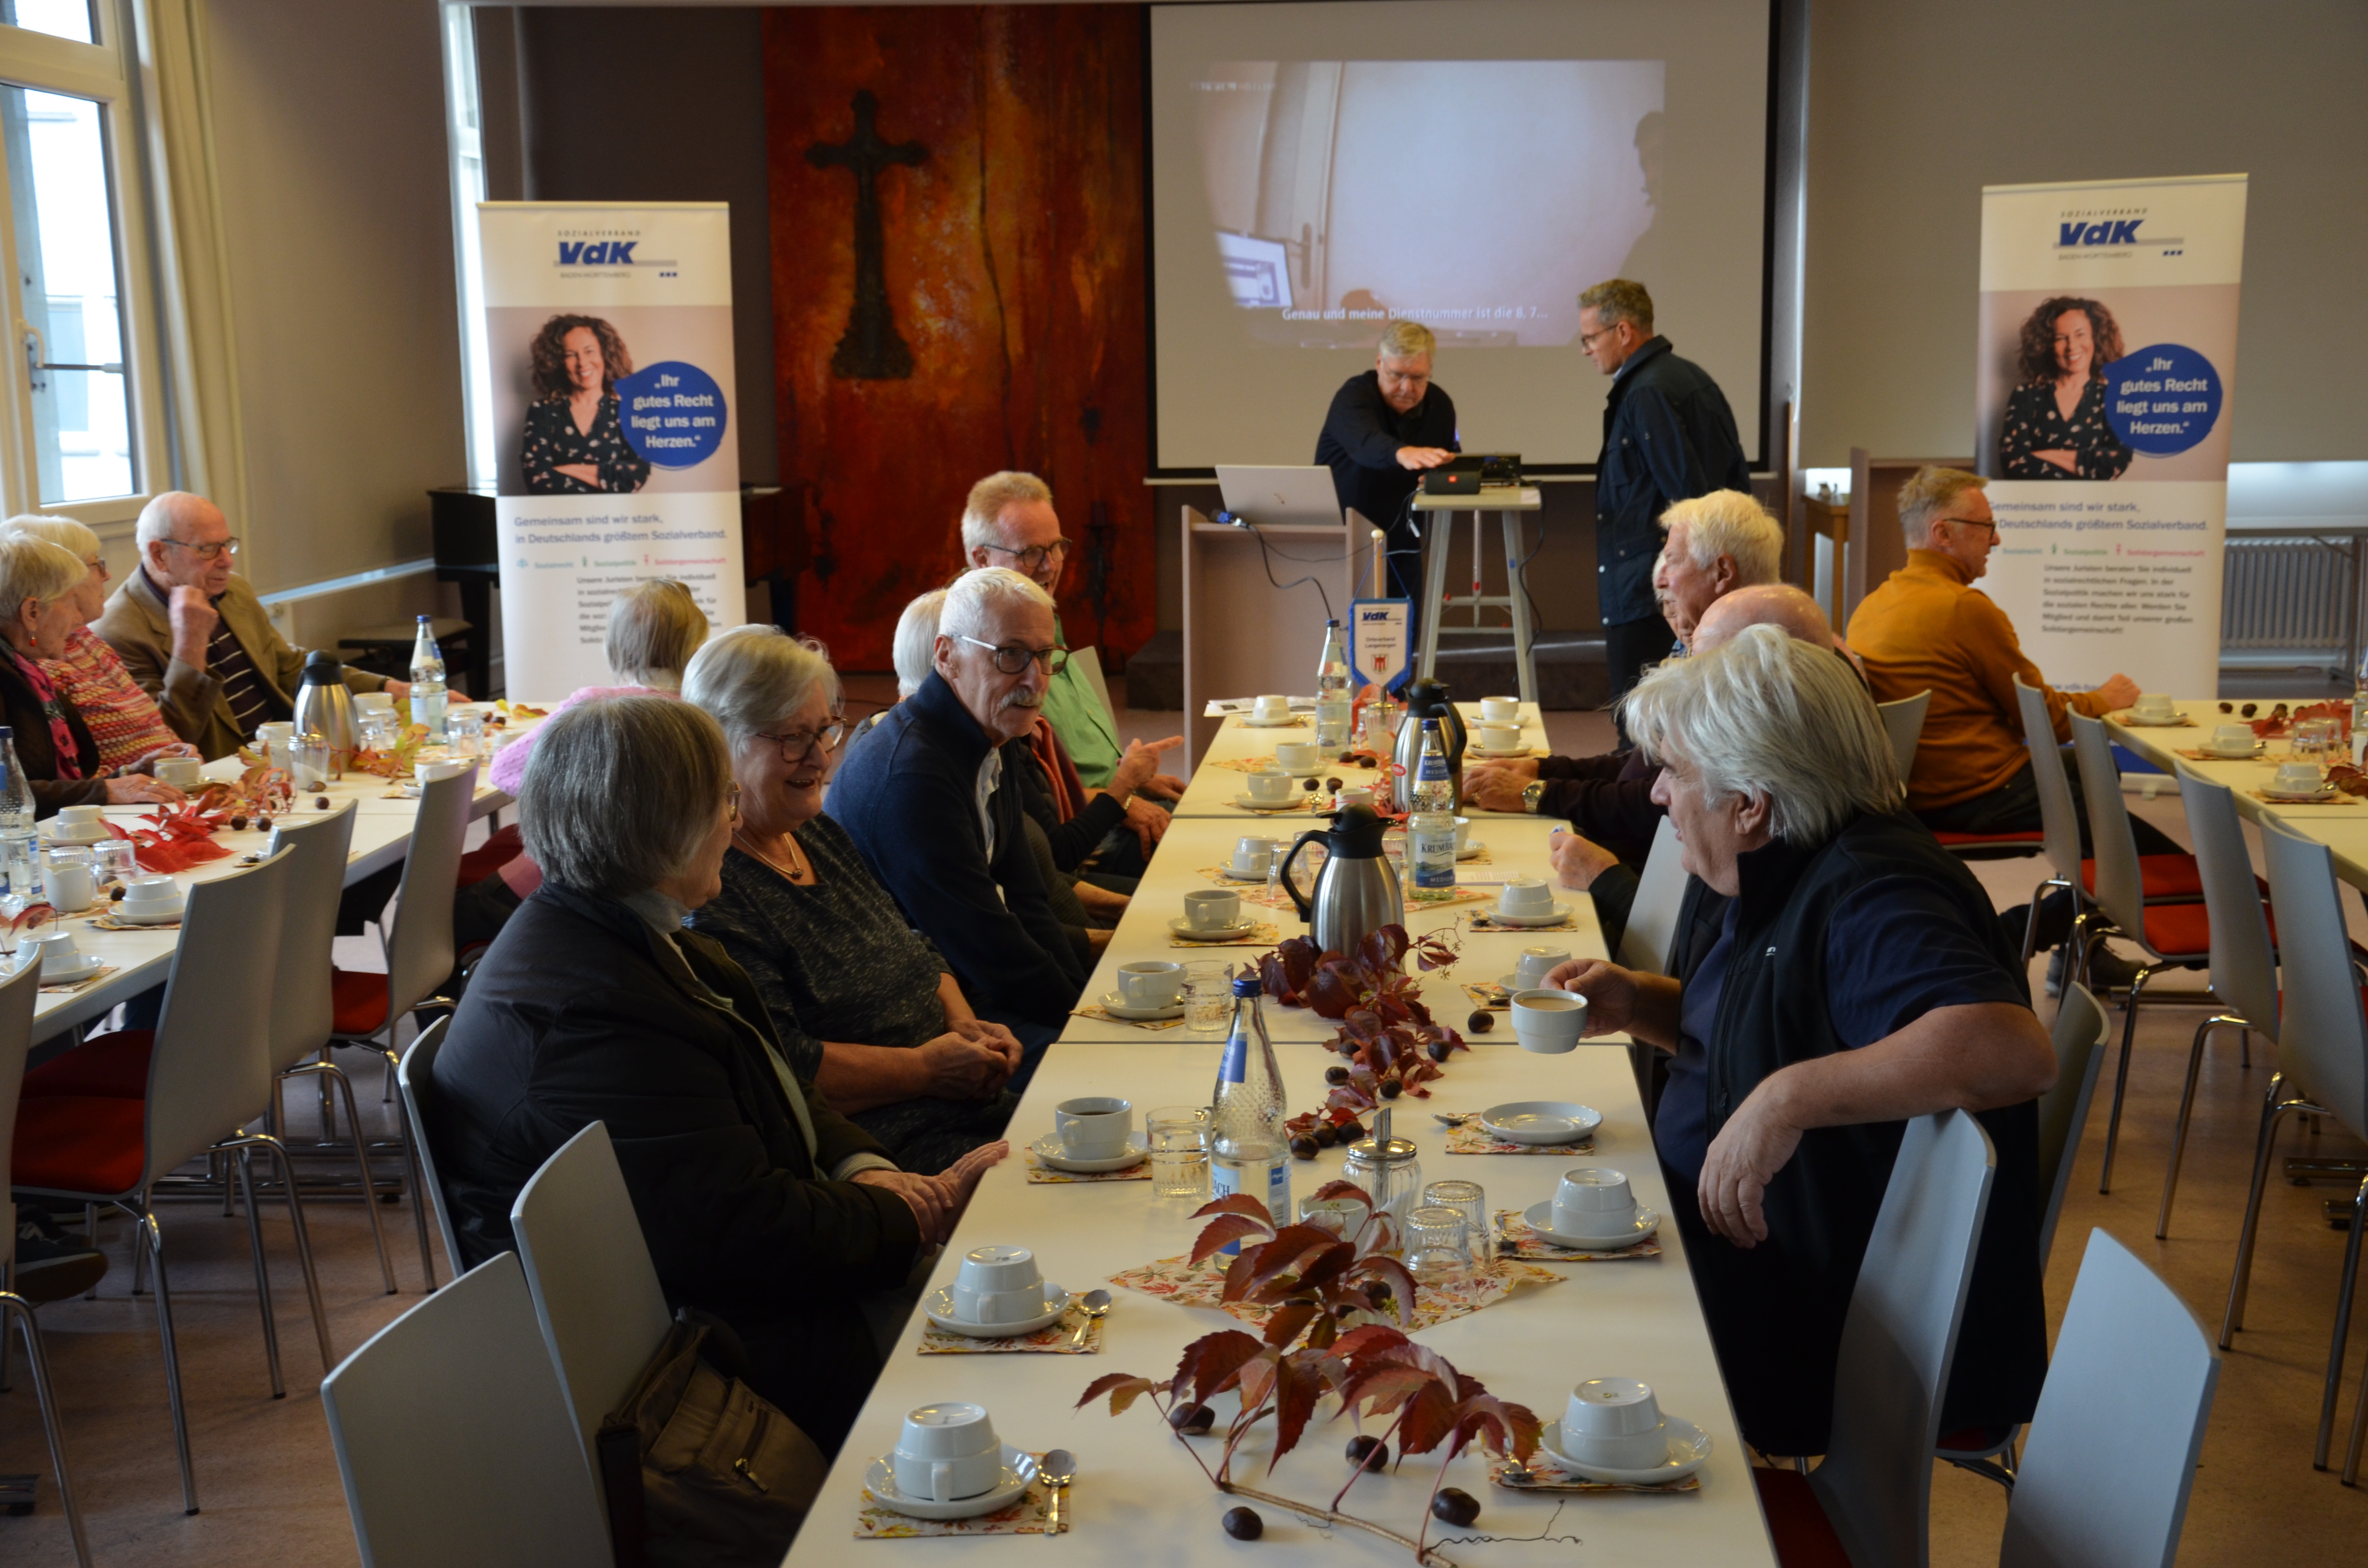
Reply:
x=98, y=565
x=732, y=799
x=799, y=744
x=208, y=551
x=1012, y=661
x=1586, y=339
x=1973, y=523
x=1032, y=559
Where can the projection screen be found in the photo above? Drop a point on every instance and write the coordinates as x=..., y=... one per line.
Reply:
x=1319, y=169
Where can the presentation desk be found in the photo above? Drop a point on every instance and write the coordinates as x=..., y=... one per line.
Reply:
x=1213, y=787
x=2343, y=827
x=142, y=958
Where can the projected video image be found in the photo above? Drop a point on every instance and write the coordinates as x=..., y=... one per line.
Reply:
x=1476, y=197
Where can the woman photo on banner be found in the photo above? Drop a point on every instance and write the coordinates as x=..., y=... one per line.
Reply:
x=574, y=439
x=2055, y=426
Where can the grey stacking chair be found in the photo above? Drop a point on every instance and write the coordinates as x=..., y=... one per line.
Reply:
x=303, y=1008
x=2244, y=960
x=1874, y=1487
x=2167, y=936
x=1653, y=917
x=423, y=1108
x=454, y=1439
x=1903, y=722
x=2322, y=1068
x=595, y=1291
x=2113, y=1443
x=2059, y=821
x=18, y=992
x=2079, y=1038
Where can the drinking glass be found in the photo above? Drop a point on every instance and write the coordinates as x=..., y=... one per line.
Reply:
x=1438, y=1245
x=1467, y=1199
x=1179, y=1135
x=2318, y=741
x=118, y=858
x=465, y=734
x=1208, y=996
x=312, y=770
x=377, y=731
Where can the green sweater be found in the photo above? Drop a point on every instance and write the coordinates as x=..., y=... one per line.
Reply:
x=1076, y=713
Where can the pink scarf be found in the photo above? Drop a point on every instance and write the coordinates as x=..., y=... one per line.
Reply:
x=53, y=708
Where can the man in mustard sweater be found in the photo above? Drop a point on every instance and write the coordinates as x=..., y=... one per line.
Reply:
x=1929, y=628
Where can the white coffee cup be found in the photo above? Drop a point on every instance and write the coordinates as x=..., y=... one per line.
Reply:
x=1295, y=756
x=369, y=702
x=1212, y=909
x=1353, y=795
x=1499, y=737
x=2299, y=778
x=1271, y=707
x=180, y=772
x=1152, y=982
x=2234, y=737
x=1462, y=835
x=946, y=1452
x=70, y=886
x=1536, y=963
x=1547, y=1021
x=1593, y=1201
x=1094, y=1127
x=81, y=820
x=1501, y=709
x=1525, y=897
x=151, y=894
x=1253, y=855
x=2154, y=705
x=58, y=953
x=1270, y=787
x=1613, y=1422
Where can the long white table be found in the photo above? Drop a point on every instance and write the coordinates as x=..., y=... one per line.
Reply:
x=2342, y=827
x=1139, y=1500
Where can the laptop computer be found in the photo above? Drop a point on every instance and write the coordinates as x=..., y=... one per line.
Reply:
x=1270, y=495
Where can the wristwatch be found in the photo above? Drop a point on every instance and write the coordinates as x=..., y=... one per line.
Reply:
x=1531, y=792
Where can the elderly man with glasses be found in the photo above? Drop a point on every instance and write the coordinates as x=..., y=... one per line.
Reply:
x=196, y=638
x=924, y=799
x=1928, y=628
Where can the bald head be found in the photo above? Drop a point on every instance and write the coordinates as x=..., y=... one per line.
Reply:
x=1779, y=605
x=173, y=527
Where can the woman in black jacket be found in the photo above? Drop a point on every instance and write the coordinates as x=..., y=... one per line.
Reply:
x=759, y=1202
x=37, y=615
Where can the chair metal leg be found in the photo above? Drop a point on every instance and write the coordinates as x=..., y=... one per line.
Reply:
x=2186, y=1108
x=154, y=1236
x=303, y=1240
x=90, y=1235
x=2031, y=918
x=2122, y=1072
x=2343, y=1332
x=262, y=1275
x=328, y=1070
x=2273, y=1109
x=2359, y=1429
x=419, y=1198
x=15, y=1306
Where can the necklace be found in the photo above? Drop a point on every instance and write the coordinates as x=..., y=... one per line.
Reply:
x=797, y=870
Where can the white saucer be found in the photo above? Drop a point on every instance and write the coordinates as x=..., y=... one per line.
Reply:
x=1689, y=1450
x=1048, y=1149
x=78, y=971
x=1236, y=877
x=1118, y=1006
x=1018, y=1472
x=1508, y=983
x=2301, y=798
x=95, y=833
x=1192, y=933
x=123, y=912
x=940, y=1306
x=2216, y=755
x=2134, y=721
x=1484, y=755
x=1520, y=922
x=1472, y=848
x=1250, y=803
x=1541, y=1121
x=1539, y=1217
x=1273, y=723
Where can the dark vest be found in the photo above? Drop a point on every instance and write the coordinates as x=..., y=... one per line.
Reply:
x=1776, y=1311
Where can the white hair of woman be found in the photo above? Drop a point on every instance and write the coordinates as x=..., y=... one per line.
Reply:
x=622, y=792
x=982, y=522
x=654, y=628
x=751, y=678
x=32, y=568
x=917, y=641
x=978, y=597
x=1774, y=719
x=1729, y=523
x=63, y=532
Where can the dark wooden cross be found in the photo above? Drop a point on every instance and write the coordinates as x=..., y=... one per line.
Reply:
x=871, y=350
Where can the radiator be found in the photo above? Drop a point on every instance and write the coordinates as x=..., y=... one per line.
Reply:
x=2284, y=592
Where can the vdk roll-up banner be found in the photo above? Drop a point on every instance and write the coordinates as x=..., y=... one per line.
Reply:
x=608, y=329
x=2105, y=392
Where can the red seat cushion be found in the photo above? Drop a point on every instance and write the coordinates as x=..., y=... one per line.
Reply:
x=1796, y=1521
x=1989, y=840
x=2178, y=930
x=114, y=1066
x=2160, y=876
x=81, y=1143
x=490, y=856
x=360, y=999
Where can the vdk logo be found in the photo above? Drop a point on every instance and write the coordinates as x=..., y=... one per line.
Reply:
x=2117, y=232
x=598, y=253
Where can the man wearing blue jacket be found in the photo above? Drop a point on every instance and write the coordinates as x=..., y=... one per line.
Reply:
x=1668, y=436
x=924, y=797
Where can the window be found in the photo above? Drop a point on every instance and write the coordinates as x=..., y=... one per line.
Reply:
x=81, y=402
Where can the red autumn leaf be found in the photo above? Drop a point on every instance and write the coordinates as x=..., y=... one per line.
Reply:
x=1226, y=1229
x=1495, y=1425
x=1232, y=1203
x=1381, y=950
x=1336, y=1189
x=1256, y=1377
x=1291, y=1248
x=1210, y=1362
x=1123, y=1387
x=1327, y=1267
x=1370, y=1339
x=1391, y=1272
x=1363, y=1023
x=1383, y=1388
x=1428, y=1420
x=1284, y=1327
x=1298, y=1387
x=1298, y=956
x=1332, y=992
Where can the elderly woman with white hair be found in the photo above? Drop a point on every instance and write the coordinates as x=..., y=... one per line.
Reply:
x=862, y=1003
x=38, y=610
x=1837, y=971
x=759, y=1202
x=124, y=719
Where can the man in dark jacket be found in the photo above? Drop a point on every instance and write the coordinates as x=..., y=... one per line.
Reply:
x=925, y=797
x=1385, y=427
x=1668, y=436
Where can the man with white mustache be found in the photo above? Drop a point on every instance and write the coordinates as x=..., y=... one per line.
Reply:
x=924, y=797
